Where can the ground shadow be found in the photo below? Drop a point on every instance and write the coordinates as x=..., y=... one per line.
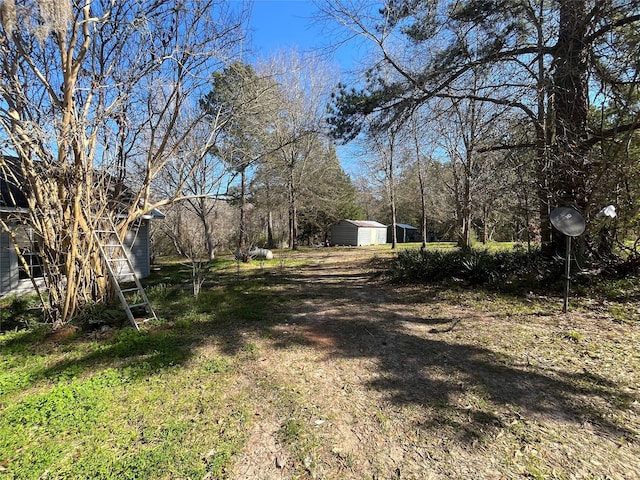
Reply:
x=426, y=370
x=432, y=371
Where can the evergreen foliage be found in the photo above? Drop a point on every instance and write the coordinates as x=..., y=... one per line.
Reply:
x=504, y=269
x=549, y=60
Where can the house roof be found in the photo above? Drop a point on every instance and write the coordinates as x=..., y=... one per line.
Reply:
x=11, y=184
x=154, y=214
x=13, y=187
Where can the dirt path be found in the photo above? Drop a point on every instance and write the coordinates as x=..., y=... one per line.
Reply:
x=366, y=381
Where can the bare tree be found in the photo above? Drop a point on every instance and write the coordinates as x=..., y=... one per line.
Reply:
x=298, y=127
x=93, y=94
x=465, y=125
x=550, y=59
x=246, y=101
x=206, y=184
x=422, y=160
x=184, y=229
x=384, y=148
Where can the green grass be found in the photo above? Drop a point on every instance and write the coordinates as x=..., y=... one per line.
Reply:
x=160, y=403
x=135, y=406
x=166, y=402
x=148, y=404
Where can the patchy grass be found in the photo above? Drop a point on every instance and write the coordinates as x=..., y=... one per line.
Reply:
x=310, y=365
x=126, y=407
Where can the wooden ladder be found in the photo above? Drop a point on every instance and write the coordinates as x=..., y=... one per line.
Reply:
x=121, y=271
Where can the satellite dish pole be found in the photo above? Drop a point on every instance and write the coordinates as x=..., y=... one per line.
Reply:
x=567, y=275
x=570, y=223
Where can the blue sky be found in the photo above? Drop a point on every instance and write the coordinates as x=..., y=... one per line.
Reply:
x=283, y=24
x=292, y=24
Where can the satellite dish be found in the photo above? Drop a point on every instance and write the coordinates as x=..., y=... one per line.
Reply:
x=567, y=221
x=609, y=211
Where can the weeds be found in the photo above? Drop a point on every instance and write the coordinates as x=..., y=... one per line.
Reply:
x=95, y=314
x=17, y=312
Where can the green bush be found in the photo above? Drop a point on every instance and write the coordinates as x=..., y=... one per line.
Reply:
x=17, y=312
x=96, y=314
x=163, y=292
x=474, y=267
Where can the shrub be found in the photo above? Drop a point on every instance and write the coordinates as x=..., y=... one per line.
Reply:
x=475, y=267
x=97, y=314
x=19, y=312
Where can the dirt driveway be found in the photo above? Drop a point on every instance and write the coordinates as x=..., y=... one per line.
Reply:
x=365, y=380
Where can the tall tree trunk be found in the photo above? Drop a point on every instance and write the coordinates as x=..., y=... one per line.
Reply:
x=571, y=105
x=394, y=219
x=392, y=193
x=242, y=240
x=270, y=241
x=543, y=132
x=570, y=90
x=208, y=235
x=293, y=213
x=423, y=207
x=485, y=220
x=464, y=213
x=421, y=182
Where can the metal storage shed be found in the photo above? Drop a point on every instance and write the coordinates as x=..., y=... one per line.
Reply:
x=358, y=233
x=404, y=233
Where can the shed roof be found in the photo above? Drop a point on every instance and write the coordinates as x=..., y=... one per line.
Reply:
x=405, y=226
x=366, y=223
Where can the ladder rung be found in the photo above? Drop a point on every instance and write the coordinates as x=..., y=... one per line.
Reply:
x=110, y=237
x=144, y=304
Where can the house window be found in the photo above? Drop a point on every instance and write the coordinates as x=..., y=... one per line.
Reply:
x=27, y=240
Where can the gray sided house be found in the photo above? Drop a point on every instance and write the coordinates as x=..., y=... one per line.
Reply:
x=404, y=233
x=358, y=233
x=13, y=203
x=9, y=273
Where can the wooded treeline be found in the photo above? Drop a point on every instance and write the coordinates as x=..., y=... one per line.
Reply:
x=525, y=105
x=280, y=181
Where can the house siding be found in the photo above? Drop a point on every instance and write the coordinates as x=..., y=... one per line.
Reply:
x=137, y=243
x=9, y=275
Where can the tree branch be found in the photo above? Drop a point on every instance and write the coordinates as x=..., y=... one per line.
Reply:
x=612, y=132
